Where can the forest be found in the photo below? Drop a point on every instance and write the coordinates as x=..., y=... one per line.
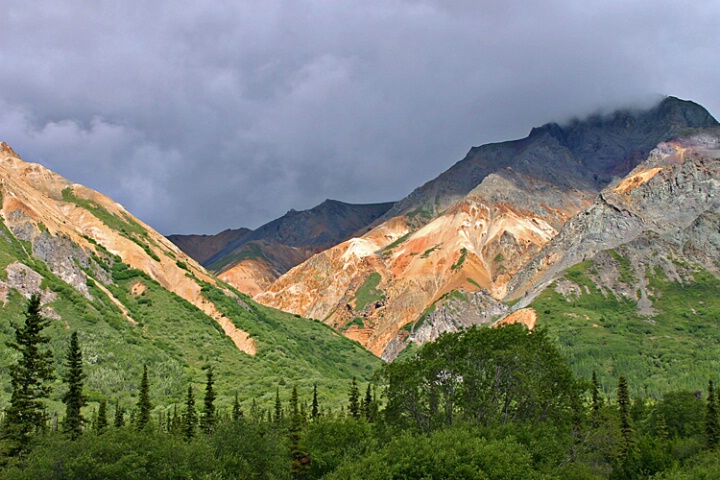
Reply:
x=482, y=403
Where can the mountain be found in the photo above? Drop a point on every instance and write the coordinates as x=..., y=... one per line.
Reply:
x=453, y=249
x=252, y=260
x=135, y=299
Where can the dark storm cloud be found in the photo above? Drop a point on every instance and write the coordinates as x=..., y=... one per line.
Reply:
x=200, y=116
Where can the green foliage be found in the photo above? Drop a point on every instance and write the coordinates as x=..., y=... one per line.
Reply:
x=460, y=260
x=74, y=398
x=207, y=420
x=427, y=252
x=144, y=407
x=456, y=453
x=189, y=418
x=354, y=400
x=677, y=348
x=397, y=242
x=30, y=375
x=483, y=376
x=368, y=292
x=355, y=322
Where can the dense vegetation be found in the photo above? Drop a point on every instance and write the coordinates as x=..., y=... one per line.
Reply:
x=677, y=347
x=482, y=403
x=173, y=338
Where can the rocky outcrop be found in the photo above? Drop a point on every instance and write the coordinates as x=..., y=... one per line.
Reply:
x=673, y=198
x=486, y=223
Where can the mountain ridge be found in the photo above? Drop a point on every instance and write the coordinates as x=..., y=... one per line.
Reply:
x=476, y=225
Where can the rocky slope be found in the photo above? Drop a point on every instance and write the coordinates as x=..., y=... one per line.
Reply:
x=252, y=260
x=472, y=230
x=136, y=299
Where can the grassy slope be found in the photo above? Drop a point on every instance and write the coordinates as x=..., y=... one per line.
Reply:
x=678, y=348
x=177, y=340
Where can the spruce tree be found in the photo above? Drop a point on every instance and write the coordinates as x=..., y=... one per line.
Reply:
x=354, y=400
x=626, y=430
x=207, y=421
x=367, y=405
x=74, y=399
x=712, y=427
x=300, y=462
x=314, y=408
x=143, y=405
x=596, y=402
x=29, y=380
x=190, y=415
x=102, y=420
x=119, y=419
x=236, y=411
x=278, y=406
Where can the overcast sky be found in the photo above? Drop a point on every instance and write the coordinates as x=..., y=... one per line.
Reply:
x=202, y=116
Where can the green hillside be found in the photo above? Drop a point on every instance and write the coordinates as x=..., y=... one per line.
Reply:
x=176, y=340
x=599, y=328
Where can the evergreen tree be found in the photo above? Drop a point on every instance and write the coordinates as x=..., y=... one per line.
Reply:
x=626, y=430
x=143, y=405
x=74, y=398
x=190, y=415
x=314, y=408
x=102, y=421
x=119, y=419
x=278, y=406
x=300, y=459
x=236, y=411
x=207, y=421
x=596, y=402
x=354, y=400
x=367, y=405
x=29, y=379
x=712, y=427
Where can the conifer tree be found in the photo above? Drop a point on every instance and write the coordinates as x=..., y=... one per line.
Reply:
x=207, y=421
x=626, y=430
x=29, y=379
x=300, y=460
x=190, y=415
x=712, y=427
x=367, y=405
x=74, y=398
x=119, y=419
x=596, y=402
x=143, y=405
x=102, y=420
x=354, y=400
x=278, y=406
x=236, y=411
x=314, y=408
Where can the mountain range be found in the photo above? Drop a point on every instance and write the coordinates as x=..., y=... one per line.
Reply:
x=604, y=230
x=485, y=232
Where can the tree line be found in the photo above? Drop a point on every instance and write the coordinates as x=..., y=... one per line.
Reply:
x=480, y=403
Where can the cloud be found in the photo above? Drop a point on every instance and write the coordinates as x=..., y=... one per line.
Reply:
x=205, y=116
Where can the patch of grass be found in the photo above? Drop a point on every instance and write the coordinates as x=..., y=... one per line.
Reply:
x=460, y=260
x=356, y=322
x=397, y=242
x=368, y=292
x=627, y=276
x=474, y=282
x=499, y=258
x=427, y=252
